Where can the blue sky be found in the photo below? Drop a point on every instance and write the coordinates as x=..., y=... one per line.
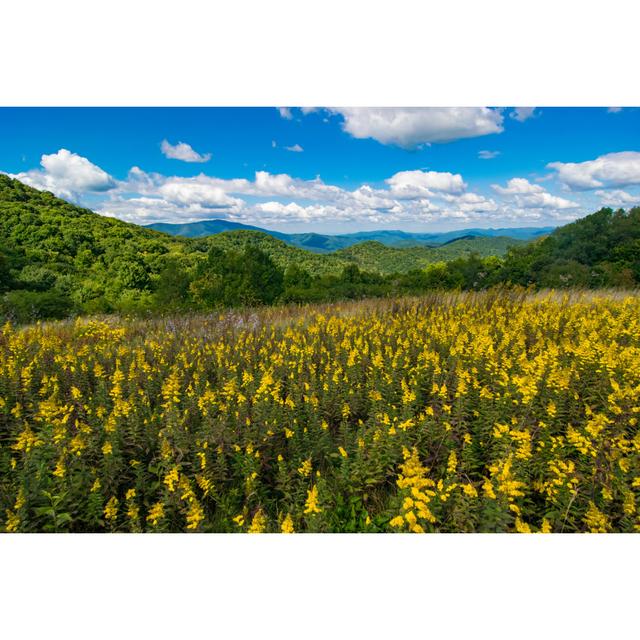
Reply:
x=331, y=170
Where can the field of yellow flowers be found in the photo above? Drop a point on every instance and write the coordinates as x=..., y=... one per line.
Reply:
x=453, y=413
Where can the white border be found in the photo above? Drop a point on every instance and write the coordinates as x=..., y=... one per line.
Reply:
x=319, y=586
x=330, y=53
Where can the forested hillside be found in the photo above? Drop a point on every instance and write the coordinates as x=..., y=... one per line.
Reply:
x=374, y=256
x=57, y=259
x=600, y=250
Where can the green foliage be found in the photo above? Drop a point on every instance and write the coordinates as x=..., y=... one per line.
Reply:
x=57, y=258
x=602, y=249
x=374, y=256
x=100, y=263
x=28, y=306
x=248, y=278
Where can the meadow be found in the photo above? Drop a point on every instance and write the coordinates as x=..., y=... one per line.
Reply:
x=501, y=411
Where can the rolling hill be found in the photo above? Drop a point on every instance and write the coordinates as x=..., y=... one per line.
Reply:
x=322, y=243
x=375, y=256
x=57, y=258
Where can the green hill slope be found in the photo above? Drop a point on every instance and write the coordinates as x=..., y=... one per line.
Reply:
x=601, y=249
x=57, y=258
x=280, y=252
x=81, y=259
x=374, y=256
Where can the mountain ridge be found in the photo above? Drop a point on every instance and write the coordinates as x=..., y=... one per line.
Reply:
x=58, y=259
x=327, y=243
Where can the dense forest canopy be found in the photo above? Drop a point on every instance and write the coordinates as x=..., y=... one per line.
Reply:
x=57, y=259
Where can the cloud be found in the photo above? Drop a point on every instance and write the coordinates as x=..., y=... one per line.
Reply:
x=67, y=175
x=411, y=127
x=183, y=151
x=614, y=109
x=265, y=184
x=532, y=196
x=618, y=198
x=376, y=199
x=488, y=155
x=545, y=200
x=414, y=197
x=189, y=192
x=518, y=186
x=295, y=148
x=523, y=113
x=610, y=170
x=414, y=184
x=410, y=196
x=471, y=203
x=285, y=112
x=273, y=144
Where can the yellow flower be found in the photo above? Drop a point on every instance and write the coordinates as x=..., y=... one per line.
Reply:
x=287, y=525
x=111, y=510
x=239, y=520
x=156, y=513
x=171, y=479
x=306, y=468
x=596, y=520
x=13, y=522
x=195, y=515
x=258, y=523
x=311, y=505
x=545, y=527
x=343, y=453
x=487, y=487
x=470, y=490
x=60, y=469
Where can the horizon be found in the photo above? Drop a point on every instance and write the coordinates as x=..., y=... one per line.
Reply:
x=331, y=171
x=381, y=230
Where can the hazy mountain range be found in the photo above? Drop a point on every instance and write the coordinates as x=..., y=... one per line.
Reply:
x=323, y=243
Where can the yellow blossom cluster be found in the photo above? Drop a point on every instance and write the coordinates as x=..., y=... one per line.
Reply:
x=496, y=411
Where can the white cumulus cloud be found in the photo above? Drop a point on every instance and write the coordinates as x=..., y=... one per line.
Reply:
x=296, y=148
x=532, y=196
x=414, y=184
x=67, y=175
x=411, y=127
x=189, y=192
x=617, y=198
x=518, y=186
x=610, y=170
x=488, y=155
x=183, y=151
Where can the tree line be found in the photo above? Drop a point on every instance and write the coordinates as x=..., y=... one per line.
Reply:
x=58, y=260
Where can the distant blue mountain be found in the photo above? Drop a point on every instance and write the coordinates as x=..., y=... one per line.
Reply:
x=321, y=243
